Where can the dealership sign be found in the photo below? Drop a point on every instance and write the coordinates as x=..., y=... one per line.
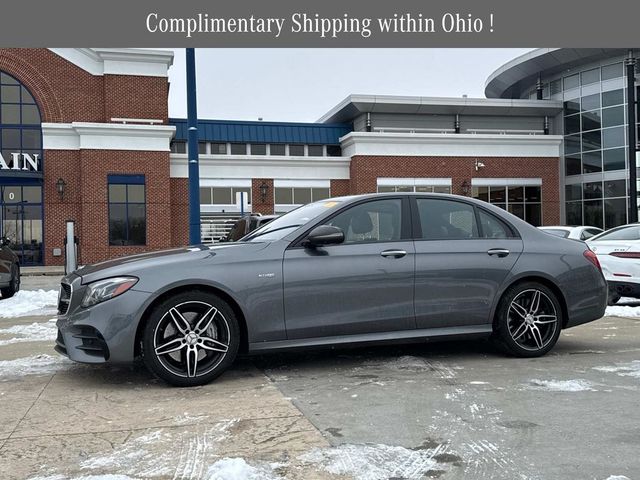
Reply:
x=21, y=162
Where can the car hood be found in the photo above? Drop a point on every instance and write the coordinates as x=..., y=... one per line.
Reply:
x=133, y=264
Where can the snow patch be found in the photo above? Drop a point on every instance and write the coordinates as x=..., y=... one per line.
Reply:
x=35, y=332
x=630, y=369
x=375, y=462
x=622, y=311
x=30, y=302
x=562, y=385
x=183, y=452
x=85, y=477
x=239, y=469
x=34, y=365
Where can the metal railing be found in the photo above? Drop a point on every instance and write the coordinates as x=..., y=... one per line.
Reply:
x=217, y=226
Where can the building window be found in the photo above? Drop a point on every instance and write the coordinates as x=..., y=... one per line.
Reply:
x=334, y=151
x=178, y=147
x=223, y=195
x=315, y=150
x=218, y=149
x=417, y=188
x=277, y=149
x=238, y=149
x=522, y=201
x=296, y=150
x=202, y=148
x=299, y=195
x=127, y=210
x=258, y=149
x=555, y=86
x=612, y=71
x=601, y=204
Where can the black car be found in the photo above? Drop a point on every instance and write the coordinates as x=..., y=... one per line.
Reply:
x=245, y=225
x=9, y=270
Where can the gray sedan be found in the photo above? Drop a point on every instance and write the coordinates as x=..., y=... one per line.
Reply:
x=343, y=271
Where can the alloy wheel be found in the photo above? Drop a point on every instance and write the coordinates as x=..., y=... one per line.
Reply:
x=191, y=339
x=532, y=319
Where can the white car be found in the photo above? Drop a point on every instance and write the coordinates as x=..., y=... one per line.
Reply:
x=577, y=233
x=618, y=251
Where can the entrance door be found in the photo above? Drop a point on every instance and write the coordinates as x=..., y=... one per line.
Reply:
x=21, y=215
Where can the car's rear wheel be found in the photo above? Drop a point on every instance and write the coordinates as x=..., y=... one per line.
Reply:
x=190, y=339
x=14, y=283
x=529, y=320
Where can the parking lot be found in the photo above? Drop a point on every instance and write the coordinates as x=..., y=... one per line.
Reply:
x=435, y=410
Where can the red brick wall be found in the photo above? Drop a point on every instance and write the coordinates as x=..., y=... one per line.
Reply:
x=257, y=205
x=365, y=170
x=67, y=93
x=340, y=188
x=135, y=97
x=60, y=164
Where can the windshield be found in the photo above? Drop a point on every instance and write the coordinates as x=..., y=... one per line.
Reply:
x=628, y=232
x=284, y=225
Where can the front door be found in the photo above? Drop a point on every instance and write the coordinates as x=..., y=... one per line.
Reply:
x=21, y=221
x=363, y=285
x=463, y=255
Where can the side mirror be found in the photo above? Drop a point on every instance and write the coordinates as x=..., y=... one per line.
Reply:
x=324, y=235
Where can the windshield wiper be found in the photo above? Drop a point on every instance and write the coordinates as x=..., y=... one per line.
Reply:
x=274, y=230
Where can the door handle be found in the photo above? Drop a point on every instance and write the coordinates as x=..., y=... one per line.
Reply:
x=393, y=253
x=500, y=252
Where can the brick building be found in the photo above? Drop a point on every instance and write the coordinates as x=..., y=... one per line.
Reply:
x=85, y=136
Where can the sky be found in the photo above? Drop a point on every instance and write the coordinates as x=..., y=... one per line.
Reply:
x=300, y=85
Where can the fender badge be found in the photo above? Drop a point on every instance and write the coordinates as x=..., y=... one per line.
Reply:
x=266, y=275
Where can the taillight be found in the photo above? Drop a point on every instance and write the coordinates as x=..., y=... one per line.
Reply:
x=625, y=254
x=593, y=258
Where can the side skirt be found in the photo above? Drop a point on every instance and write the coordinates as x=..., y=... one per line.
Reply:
x=404, y=336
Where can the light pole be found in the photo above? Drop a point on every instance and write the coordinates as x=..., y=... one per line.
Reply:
x=194, y=168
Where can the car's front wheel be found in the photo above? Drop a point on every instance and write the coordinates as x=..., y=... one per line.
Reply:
x=529, y=320
x=190, y=338
x=14, y=283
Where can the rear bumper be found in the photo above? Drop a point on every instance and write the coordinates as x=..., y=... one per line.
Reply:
x=625, y=288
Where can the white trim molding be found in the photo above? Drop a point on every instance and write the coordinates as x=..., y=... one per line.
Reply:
x=414, y=182
x=225, y=182
x=119, y=61
x=506, y=182
x=260, y=166
x=450, y=145
x=302, y=184
x=106, y=136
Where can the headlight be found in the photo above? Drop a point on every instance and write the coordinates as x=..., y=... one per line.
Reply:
x=102, y=290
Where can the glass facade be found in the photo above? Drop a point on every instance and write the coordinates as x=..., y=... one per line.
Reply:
x=21, y=217
x=595, y=152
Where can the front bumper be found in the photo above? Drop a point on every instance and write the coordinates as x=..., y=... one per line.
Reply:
x=105, y=332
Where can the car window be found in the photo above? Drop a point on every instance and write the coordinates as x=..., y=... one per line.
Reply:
x=376, y=221
x=590, y=232
x=446, y=219
x=631, y=232
x=493, y=227
x=558, y=232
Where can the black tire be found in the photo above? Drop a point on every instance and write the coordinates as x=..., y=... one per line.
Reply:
x=14, y=285
x=521, y=329
x=175, y=325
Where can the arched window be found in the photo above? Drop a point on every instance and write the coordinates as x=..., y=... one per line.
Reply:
x=19, y=119
x=21, y=219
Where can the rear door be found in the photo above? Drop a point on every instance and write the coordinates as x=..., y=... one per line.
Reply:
x=363, y=285
x=463, y=255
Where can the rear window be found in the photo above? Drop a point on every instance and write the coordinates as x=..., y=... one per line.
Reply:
x=621, y=233
x=557, y=232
